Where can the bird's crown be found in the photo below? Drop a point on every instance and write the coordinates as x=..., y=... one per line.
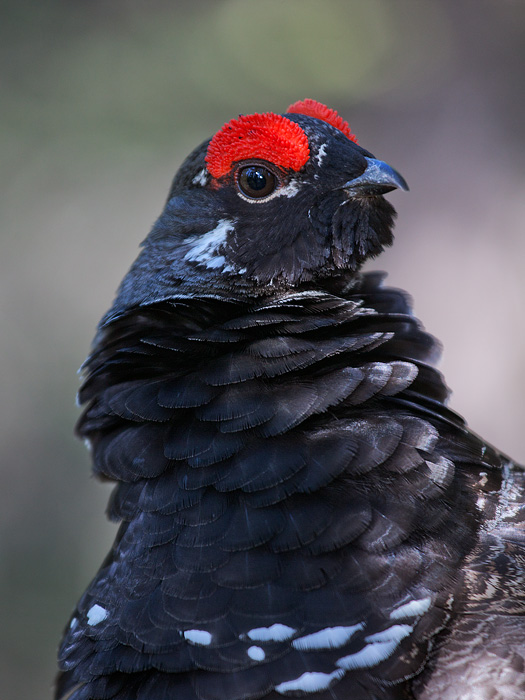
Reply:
x=270, y=137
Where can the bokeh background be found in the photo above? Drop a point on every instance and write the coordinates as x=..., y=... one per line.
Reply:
x=100, y=103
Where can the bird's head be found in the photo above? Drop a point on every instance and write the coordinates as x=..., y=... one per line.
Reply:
x=270, y=202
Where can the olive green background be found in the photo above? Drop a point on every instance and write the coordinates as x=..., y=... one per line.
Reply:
x=100, y=101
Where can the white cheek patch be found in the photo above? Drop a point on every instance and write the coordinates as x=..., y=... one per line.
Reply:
x=289, y=190
x=204, y=250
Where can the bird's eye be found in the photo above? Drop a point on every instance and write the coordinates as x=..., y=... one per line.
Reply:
x=256, y=181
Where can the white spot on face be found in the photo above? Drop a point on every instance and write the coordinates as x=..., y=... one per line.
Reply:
x=310, y=682
x=379, y=647
x=96, y=614
x=275, y=633
x=414, y=607
x=201, y=178
x=329, y=638
x=73, y=623
x=321, y=154
x=201, y=637
x=204, y=250
x=289, y=190
x=256, y=653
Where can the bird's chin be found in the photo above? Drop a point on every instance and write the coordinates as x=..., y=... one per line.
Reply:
x=361, y=228
x=369, y=192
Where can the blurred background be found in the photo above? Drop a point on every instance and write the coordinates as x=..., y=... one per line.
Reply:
x=100, y=103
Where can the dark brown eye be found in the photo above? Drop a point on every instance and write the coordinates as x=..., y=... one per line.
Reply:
x=256, y=181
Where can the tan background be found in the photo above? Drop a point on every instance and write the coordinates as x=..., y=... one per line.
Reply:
x=102, y=100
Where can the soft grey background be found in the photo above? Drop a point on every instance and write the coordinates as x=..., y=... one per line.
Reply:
x=100, y=103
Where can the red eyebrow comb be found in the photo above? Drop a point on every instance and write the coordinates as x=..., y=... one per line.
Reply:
x=268, y=136
x=312, y=108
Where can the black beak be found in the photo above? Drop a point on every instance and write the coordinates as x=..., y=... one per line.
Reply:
x=378, y=178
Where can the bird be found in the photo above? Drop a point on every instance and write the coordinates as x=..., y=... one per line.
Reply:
x=301, y=513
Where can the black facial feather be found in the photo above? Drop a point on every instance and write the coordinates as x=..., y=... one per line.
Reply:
x=301, y=514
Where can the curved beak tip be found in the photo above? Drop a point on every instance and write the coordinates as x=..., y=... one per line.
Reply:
x=378, y=178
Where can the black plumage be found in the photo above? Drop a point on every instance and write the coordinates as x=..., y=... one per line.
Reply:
x=301, y=514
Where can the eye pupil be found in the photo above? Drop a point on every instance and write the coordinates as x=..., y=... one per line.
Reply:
x=256, y=181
